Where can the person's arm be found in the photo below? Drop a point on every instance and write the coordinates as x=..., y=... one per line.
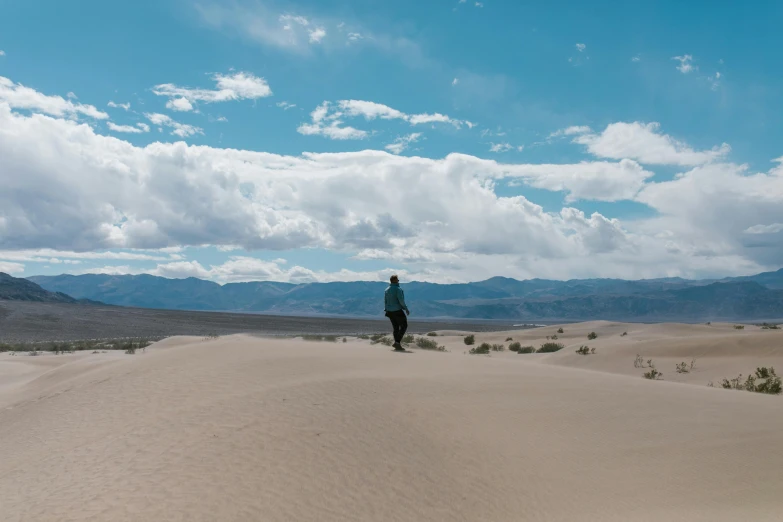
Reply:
x=401, y=299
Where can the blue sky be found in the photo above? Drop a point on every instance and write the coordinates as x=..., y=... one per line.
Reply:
x=455, y=141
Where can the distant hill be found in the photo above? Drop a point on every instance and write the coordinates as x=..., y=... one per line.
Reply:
x=758, y=297
x=18, y=289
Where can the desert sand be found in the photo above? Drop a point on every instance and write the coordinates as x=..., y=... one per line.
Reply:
x=248, y=429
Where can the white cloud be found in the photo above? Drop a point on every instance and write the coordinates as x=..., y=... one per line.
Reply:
x=402, y=142
x=72, y=96
x=686, y=63
x=124, y=106
x=11, y=268
x=644, y=143
x=17, y=96
x=570, y=131
x=479, y=4
x=140, y=128
x=261, y=24
x=580, y=47
x=714, y=81
x=2, y=53
x=317, y=34
x=500, y=147
x=179, y=104
x=355, y=37
x=180, y=129
x=772, y=228
x=455, y=81
x=68, y=188
x=326, y=118
x=46, y=255
x=636, y=58
x=235, y=86
x=285, y=105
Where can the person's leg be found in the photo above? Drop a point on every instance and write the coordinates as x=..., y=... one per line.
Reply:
x=403, y=324
x=395, y=324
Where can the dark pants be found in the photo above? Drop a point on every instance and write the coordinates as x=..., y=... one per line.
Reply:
x=399, y=323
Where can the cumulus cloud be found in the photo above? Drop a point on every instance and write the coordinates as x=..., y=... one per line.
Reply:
x=581, y=47
x=403, y=142
x=130, y=129
x=179, y=105
x=67, y=188
x=327, y=118
x=644, y=143
x=123, y=106
x=179, y=129
x=259, y=23
x=686, y=63
x=235, y=86
x=17, y=96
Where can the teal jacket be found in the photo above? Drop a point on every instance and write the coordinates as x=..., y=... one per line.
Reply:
x=394, y=298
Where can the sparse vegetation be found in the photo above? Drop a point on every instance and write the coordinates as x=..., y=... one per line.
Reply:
x=765, y=380
x=591, y=336
x=498, y=348
x=768, y=326
x=526, y=349
x=560, y=330
x=554, y=338
x=364, y=337
x=432, y=334
x=739, y=326
x=315, y=337
x=638, y=362
x=515, y=346
x=653, y=374
x=585, y=350
x=623, y=334
x=63, y=347
x=408, y=339
x=684, y=367
x=429, y=344
x=130, y=350
x=470, y=340
x=709, y=323
x=383, y=339
x=550, y=347
x=509, y=339
x=345, y=339
x=482, y=349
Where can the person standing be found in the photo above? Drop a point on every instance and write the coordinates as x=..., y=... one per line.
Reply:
x=396, y=310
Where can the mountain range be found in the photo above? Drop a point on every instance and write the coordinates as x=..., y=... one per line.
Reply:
x=758, y=297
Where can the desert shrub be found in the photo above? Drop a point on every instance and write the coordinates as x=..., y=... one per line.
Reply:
x=345, y=339
x=432, y=334
x=591, y=336
x=526, y=349
x=767, y=326
x=384, y=340
x=315, y=337
x=408, y=339
x=638, y=362
x=739, y=326
x=684, y=367
x=653, y=374
x=709, y=323
x=623, y=334
x=509, y=339
x=515, y=346
x=482, y=349
x=364, y=337
x=498, y=348
x=554, y=338
x=584, y=350
x=550, y=347
x=429, y=344
x=770, y=382
x=559, y=330
x=130, y=350
x=470, y=339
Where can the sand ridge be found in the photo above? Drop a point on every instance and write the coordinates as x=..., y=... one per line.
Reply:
x=243, y=428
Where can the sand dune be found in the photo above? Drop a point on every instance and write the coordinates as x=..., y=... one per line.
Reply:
x=247, y=429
